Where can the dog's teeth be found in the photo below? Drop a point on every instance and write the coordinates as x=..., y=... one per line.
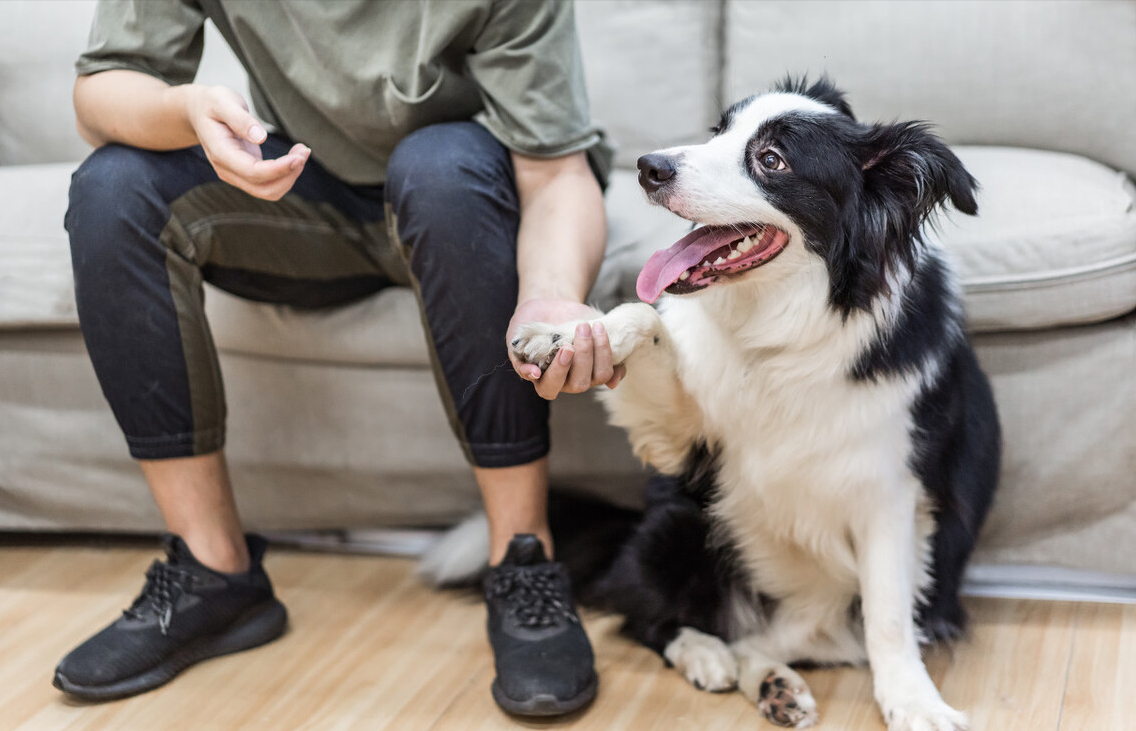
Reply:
x=746, y=244
x=684, y=276
x=735, y=255
x=706, y=263
x=721, y=260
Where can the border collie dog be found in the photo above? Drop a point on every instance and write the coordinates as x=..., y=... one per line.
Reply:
x=827, y=444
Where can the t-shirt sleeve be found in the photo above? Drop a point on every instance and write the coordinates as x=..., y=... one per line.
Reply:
x=162, y=38
x=526, y=62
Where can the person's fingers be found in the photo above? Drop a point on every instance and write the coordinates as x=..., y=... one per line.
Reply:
x=276, y=189
x=580, y=375
x=268, y=179
x=277, y=185
x=231, y=109
x=552, y=382
x=602, y=367
x=620, y=372
x=263, y=173
x=527, y=371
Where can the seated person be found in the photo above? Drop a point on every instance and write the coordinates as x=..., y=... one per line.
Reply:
x=446, y=147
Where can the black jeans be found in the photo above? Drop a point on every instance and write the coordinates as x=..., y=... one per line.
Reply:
x=147, y=228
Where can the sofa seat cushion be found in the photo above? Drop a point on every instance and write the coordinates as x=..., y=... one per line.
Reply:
x=1054, y=243
x=36, y=287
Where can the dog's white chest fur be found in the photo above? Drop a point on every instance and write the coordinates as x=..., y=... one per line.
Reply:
x=801, y=446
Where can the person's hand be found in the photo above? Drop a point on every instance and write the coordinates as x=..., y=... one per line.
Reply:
x=577, y=367
x=231, y=138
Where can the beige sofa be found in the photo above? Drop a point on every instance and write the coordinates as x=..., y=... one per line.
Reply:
x=335, y=423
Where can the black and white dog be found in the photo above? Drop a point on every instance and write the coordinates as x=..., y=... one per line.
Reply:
x=833, y=443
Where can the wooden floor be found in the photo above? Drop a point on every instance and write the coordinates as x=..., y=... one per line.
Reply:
x=369, y=648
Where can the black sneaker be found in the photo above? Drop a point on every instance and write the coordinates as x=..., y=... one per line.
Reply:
x=186, y=613
x=543, y=657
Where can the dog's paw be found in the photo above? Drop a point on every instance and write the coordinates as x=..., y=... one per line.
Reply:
x=539, y=342
x=924, y=715
x=785, y=700
x=704, y=660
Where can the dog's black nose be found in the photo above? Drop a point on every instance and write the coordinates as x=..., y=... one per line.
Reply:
x=654, y=171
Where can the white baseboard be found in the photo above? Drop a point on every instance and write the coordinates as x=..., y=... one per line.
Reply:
x=1049, y=582
x=1014, y=582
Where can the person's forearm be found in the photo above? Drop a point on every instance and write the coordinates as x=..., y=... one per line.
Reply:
x=133, y=108
x=563, y=232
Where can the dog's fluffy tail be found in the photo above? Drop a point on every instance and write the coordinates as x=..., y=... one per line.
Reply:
x=588, y=534
x=459, y=557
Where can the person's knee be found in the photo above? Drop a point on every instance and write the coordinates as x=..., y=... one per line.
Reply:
x=112, y=196
x=436, y=165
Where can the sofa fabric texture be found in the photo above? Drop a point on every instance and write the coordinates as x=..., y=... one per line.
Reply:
x=334, y=418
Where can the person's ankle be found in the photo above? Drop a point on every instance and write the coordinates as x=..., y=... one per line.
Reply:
x=221, y=553
x=499, y=543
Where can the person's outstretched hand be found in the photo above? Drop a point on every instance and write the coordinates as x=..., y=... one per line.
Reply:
x=231, y=138
x=577, y=367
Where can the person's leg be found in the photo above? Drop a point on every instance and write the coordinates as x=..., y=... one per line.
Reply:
x=453, y=207
x=164, y=390
x=146, y=230
x=516, y=502
x=452, y=197
x=195, y=498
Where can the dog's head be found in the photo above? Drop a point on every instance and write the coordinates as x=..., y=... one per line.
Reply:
x=793, y=168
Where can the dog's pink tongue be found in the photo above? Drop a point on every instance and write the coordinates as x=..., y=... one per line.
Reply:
x=666, y=266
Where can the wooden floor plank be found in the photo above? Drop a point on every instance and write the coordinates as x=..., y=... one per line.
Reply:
x=370, y=648
x=1010, y=671
x=1101, y=689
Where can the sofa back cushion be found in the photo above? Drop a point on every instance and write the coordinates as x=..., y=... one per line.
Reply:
x=1057, y=75
x=39, y=43
x=652, y=70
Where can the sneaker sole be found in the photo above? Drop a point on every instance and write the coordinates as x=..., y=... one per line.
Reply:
x=258, y=627
x=545, y=704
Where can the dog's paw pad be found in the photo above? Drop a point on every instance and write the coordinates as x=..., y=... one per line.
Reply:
x=538, y=343
x=786, y=702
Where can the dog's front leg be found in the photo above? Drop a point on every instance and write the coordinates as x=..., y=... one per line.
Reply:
x=661, y=419
x=887, y=554
x=628, y=327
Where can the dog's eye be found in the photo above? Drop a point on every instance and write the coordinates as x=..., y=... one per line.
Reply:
x=771, y=160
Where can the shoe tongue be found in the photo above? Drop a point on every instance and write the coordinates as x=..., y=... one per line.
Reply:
x=525, y=550
x=178, y=554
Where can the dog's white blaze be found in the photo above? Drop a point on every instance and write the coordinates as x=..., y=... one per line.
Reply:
x=712, y=186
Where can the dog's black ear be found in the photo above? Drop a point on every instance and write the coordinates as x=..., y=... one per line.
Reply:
x=907, y=173
x=910, y=170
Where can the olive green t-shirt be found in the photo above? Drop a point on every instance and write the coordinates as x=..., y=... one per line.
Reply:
x=350, y=78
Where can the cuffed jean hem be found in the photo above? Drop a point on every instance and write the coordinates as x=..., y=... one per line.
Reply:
x=172, y=446
x=508, y=455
